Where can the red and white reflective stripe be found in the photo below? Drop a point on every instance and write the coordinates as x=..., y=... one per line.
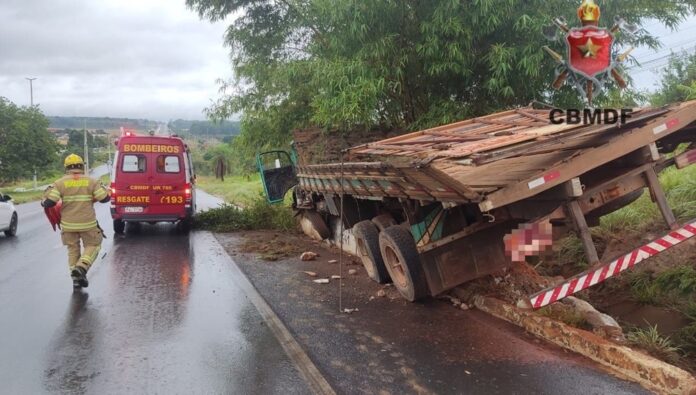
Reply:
x=543, y=180
x=585, y=280
x=665, y=126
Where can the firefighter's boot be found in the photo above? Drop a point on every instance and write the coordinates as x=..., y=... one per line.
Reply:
x=79, y=275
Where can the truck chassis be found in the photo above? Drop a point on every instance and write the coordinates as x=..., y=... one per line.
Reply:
x=430, y=210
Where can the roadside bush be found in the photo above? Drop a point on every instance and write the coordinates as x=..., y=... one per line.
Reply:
x=255, y=216
x=651, y=341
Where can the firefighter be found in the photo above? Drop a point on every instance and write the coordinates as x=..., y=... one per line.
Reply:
x=78, y=193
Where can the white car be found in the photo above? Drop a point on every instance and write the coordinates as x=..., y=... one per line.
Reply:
x=8, y=216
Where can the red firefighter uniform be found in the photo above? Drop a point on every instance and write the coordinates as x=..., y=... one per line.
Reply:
x=78, y=223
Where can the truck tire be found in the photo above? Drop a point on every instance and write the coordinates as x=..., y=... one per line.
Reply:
x=119, y=226
x=402, y=260
x=185, y=225
x=367, y=241
x=383, y=221
x=318, y=225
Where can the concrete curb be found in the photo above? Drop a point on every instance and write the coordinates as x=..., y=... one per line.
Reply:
x=645, y=370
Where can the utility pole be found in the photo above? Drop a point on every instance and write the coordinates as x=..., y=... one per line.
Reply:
x=86, y=148
x=31, y=89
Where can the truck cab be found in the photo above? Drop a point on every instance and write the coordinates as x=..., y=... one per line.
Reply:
x=152, y=181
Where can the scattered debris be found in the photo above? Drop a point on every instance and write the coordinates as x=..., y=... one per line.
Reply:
x=322, y=281
x=381, y=293
x=308, y=256
x=456, y=302
x=348, y=311
x=310, y=274
x=467, y=372
x=352, y=272
x=333, y=261
x=335, y=277
x=464, y=306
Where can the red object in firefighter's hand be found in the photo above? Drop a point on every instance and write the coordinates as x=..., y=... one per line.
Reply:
x=53, y=215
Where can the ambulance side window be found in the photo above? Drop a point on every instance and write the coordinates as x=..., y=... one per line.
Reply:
x=168, y=164
x=134, y=163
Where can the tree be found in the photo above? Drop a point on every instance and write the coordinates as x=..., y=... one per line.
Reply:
x=406, y=64
x=678, y=80
x=25, y=143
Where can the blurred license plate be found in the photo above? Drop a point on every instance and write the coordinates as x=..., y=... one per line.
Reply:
x=133, y=209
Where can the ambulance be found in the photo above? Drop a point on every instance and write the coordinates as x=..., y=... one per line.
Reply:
x=152, y=181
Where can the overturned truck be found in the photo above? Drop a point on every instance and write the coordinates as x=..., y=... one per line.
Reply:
x=433, y=209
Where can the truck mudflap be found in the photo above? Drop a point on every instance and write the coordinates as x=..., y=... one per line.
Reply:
x=599, y=274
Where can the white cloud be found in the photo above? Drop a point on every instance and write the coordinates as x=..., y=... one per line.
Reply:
x=133, y=58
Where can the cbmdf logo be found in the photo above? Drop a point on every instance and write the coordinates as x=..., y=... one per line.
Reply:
x=591, y=61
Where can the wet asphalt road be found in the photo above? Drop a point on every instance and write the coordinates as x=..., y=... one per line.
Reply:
x=162, y=314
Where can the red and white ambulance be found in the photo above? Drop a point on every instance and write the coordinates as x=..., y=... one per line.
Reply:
x=152, y=181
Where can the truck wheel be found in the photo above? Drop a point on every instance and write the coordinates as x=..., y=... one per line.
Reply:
x=318, y=230
x=367, y=240
x=402, y=260
x=383, y=221
x=185, y=225
x=119, y=226
x=12, y=231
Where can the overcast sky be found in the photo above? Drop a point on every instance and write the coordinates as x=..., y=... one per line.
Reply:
x=120, y=58
x=149, y=58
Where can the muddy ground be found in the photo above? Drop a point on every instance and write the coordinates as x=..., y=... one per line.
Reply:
x=389, y=345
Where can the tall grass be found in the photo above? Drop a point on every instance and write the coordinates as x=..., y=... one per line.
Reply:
x=651, y=341
x=238, y=190
x=255, y=216
x=643, y=214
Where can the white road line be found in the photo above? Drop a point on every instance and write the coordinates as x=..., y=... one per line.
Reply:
x=307, y=369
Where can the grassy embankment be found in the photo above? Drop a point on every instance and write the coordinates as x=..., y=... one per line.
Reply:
x=666, y=282
x=27, y=195
x=246, y=207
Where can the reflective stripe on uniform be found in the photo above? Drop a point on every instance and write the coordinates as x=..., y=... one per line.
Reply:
x=77, y=198
x=100, y=194
x=89, y=259
x=54, y=195
x=77, y=226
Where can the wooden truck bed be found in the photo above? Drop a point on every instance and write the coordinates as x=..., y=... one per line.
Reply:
x=494, y=160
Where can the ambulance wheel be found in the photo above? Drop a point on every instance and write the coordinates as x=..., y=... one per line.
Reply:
x=119, y=226
x=367, y=240
x=185, y=225
x=402, y=260
x=383, y=221
x=12, y=231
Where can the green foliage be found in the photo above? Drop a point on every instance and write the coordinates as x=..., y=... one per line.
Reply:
x=357, y=64
x=674, y=286
x=25, y=143
x=256, y=216
x=643, y=214
x=690, y=91
x=642, y=288
x=651, y=341
x=680, y=279
x=678, y=80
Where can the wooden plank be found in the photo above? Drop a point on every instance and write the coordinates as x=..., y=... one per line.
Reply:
x=446, y=180
x=629, y=141
x=658, y=195
x=583, y=232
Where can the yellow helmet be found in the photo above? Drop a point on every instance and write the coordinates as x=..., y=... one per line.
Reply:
x=73, y=160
